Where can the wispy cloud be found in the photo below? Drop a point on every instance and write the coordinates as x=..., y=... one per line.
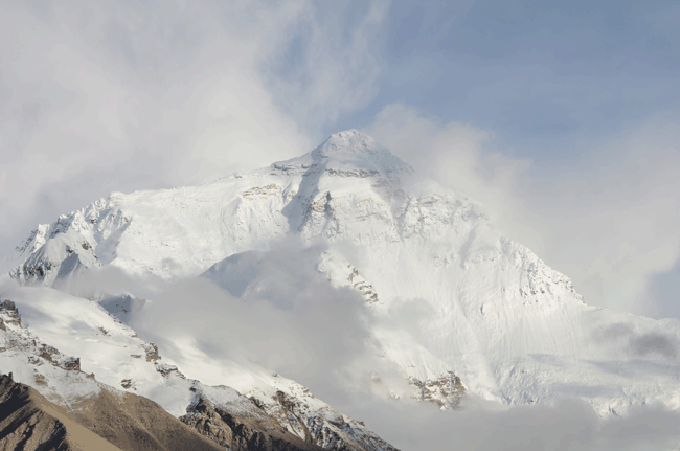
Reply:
x=647, y=344
x=159, y=94
x=607, y=218
x=274, y=308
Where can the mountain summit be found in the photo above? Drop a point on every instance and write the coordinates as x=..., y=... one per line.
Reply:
x=347, y=154
x=455, y=307
x=349, y=142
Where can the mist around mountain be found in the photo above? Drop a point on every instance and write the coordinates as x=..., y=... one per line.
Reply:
x=351, y=301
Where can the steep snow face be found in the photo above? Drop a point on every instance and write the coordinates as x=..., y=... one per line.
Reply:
x=78, y=241
x=449, y=295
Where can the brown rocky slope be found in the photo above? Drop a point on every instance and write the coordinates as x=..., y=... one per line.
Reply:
x=29, y=422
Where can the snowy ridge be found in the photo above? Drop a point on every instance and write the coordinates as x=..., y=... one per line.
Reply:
x=56, y=376
x=455, y=305
x=112, y=351
x=78, y=241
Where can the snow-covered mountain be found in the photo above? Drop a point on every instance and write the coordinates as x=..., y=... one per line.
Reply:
x=458, y=308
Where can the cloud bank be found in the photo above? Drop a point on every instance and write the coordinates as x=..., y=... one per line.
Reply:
x=156, y=94
x=119, y=97
x=276, y=309
x=607, y=219
x=273, y=308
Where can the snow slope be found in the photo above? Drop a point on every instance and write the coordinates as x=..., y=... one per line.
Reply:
x=450, y=297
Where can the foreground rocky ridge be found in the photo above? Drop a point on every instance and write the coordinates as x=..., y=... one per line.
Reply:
x=125, y=420
x=28, y=422
x=288, y=423
x=132, y=422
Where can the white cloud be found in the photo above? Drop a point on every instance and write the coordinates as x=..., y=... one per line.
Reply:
x=454, y=154
x=101, y=97
x=97, y=98
x=276, y=309
x=607, y=219
x=568, y=425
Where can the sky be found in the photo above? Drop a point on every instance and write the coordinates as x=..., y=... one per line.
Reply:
x=562, y=118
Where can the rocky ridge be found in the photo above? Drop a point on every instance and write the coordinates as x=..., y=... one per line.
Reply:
x=131, y=422
x=142, y=371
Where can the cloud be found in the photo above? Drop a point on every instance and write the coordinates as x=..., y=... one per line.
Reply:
x=119, y=97
x=111, y=98
x=566, y=425
x=279, y=311
x=606, y=219
x=455, y=154
x=648, y=344
x=335, y=64
x=276, y=309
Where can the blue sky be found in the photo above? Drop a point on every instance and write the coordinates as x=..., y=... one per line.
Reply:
x=560, y=117
x=541, y=74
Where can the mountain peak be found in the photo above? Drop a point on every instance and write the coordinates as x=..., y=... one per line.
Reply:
x=347, y=154
x=350, y=142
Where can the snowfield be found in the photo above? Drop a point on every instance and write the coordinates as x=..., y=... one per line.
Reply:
x=458, y=308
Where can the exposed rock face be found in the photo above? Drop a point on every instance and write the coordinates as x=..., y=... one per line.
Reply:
x=330, y=430
x=280, y=423
x=151, y=351
x=252, y=431
x=21, y=343
x=292, y=417
x=446, y=391
x=131, y=423
x=24, y=425
x=206, y=421
x=77, y=402
x=29, y=422
x=11, y=313
x=168, y=371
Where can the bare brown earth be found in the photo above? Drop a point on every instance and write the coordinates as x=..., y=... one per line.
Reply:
x=29, y=422
x=106, y=423
x=134, y=423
